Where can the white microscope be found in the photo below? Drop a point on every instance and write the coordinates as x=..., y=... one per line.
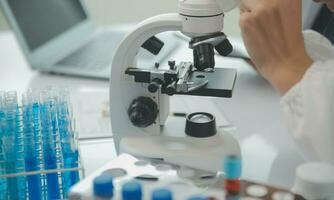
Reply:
x=139, y=96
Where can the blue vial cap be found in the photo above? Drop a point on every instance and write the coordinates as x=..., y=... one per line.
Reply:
x=196, y=198
x=131, y=191
x=103, y=186
x=232, y=167
x=162, y=194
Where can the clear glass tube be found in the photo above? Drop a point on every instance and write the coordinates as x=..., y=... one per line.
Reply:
x=31, y=149
x=13, y=146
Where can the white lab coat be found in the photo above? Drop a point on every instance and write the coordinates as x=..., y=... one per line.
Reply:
x=309, y=105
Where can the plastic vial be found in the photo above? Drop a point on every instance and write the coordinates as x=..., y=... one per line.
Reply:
x=103, y=187
x=132, y=191
x=161, y=194
x=232, y=169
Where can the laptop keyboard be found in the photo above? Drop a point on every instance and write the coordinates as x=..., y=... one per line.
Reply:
x=94, y=59
x=96, y=54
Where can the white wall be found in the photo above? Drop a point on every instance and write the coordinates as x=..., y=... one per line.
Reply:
x=107, y=12
x=114, y=11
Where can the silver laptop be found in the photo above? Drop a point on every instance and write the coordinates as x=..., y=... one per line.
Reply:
x=58, y=36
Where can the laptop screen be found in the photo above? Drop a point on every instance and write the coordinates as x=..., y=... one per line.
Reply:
x=42, y=20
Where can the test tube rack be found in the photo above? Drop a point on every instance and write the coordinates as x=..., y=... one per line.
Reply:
x=39, y=156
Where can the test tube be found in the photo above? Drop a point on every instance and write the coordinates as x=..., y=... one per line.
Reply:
x=69, y=149
x=3, y=182
x=31, y=152
x=36, y=119
x=38, y=135
x=54, y=104
x=12, y=139
x=19, y=146
x=8, y=143
x=49, y=148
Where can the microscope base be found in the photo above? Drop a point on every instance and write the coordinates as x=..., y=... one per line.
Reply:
x=199, y=153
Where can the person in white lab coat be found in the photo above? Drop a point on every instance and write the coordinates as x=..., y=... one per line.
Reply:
x=299, y=65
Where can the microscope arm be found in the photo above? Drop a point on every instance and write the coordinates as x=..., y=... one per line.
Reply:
x=122, y=90
x=125, y=56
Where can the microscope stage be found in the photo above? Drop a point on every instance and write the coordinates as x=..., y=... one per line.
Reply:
x=220, y=83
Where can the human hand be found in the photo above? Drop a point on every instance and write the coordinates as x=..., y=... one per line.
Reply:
x=272, y=33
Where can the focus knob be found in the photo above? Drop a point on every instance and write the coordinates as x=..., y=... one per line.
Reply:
x=154, y=86
x=143, y=112
x=170, y=90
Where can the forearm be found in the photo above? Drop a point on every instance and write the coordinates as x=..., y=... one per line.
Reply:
x=288, y=73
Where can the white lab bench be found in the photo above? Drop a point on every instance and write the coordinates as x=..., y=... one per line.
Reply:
x=269, y=153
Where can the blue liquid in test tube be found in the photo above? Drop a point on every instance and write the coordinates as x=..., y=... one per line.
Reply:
x=12, y=142
x=49, y=152
x=30, y=149
x=3, y=182
x=70, y=152
x=39, y=135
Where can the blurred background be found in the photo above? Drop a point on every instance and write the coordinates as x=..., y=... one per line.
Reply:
x=107, y=12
